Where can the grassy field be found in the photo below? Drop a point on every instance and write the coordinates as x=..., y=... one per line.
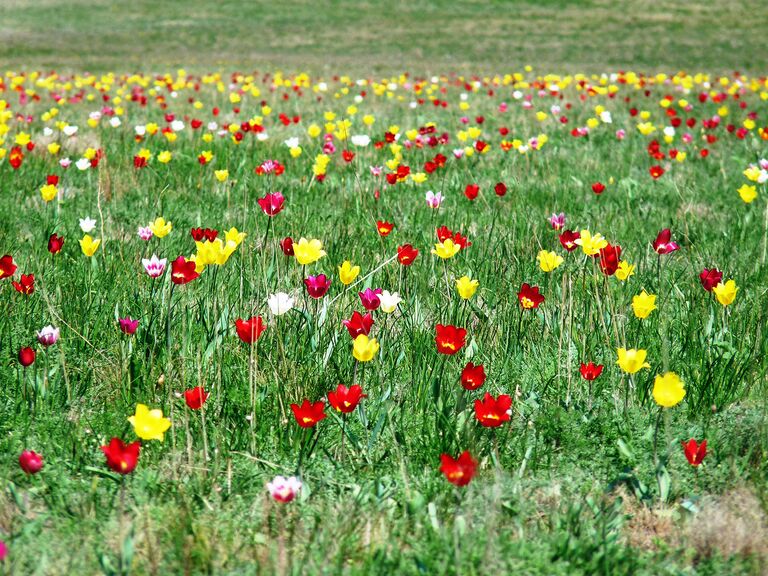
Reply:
x=584, y=474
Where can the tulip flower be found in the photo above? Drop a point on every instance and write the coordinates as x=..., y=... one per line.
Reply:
x=250, y=330
x=30, y=461
x=48, y=192
x=128, y=325
x=529, y=297
x=307, y=415
x=590, y=371
x=725, y=293
x=88, y=245
x=160, y=227
x=591, y=245
x=183, y=270
x=643, y=304
x=747, y=193
x=434, y=200
x=473, y=376
x=48, y=336
x=370, y=298
x=280, y=303
x=358, y=324
x=492, y=412
x=710, y=278
x=149, y=424
x=609, y=259
x=286, y=245
x=26, y=285
x=233, y=235
x=145, y=233
x=26, y=356
x=459, y=471
x=122, y=457
x=446, y=249
x=663, y=243
x=284, y=489
x=466, y=287
x=384, y=228
x=308, y=251
x=348, y=273
x=317, y=286
x=389, y=301
x=449, y=339
x=624, y=270
x=87, y=225
x=55, y=243
x=344, y=399
x=195, y=397
x=557, y=221
x=668, y=390
x=656, y=172
x=7, y=266
x=272, y=204
x=3, y=551
x=632, y=360
x=568, y=240
x=154, y=266
x=364, y=348
x=548, y=261
x=694, y=452
x=406, y=254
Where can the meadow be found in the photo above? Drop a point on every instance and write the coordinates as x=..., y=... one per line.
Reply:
x=374, y=320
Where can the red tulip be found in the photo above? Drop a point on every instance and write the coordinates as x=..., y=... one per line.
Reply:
x=492, y=412
x=598, y=187
x=272, y=204
x=459, y=471
x=590, y=371
x=55, y=243
x=307, y=415
x=183, y=271
x=31, y=462
x=358, y=324
x=121, y=457
x=609, y=259
x=384, y=228
x=710, y=278
x=317, y=286
x=472, y=377
x=406, y=254
x=27, y=284
x=656, y=172
x=471, y=191
x=250, y=330
x=7, y=266
x=286, y=245
x=663, y=243
x=695, y=452
x=568, y=240
x=195, y=397
x=26, y=356
x=449, y=339
x=500, y=189
x=529, y=297
x=345, y=399
x=370, y=298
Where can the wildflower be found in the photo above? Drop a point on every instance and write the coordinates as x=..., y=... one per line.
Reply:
x=55, y=244
x=590, y=371
x=154, y=266
x=250, y=330
x=725, y=293
x=286, y=245
x=500, y=189
x=307, y=415
x=128, y=325
x=459, y=471
x=195, y=397
x=308, y=251
x=272, y=204
x=568, y=240
x=7, y=266
x=384, y=228
x=668, y=390
x=434, y=200
x=284, y=489
x=232, y=235
x=145, y=233
x=406, y=254
x=656, y=172
x=748, y=193
x=591, y=245
x=663, y=243
x=348, y=273
x=694, y=452
x=88, y=245
x=370, y=298
x=317, y=286
x=48, y=192
x=557, y=221
x=30, y=461
x=632, y=360
x=279, y=303
x=548, y=261
x=449, y=339
x=26, y=356
x=472, y=377
x=358, y=324
x=529, y=297
x=3, y=551
x=160, y=227
x=48, y=336
x=87, y=225
x=389, y=301
x=344, y=399
x=221, y=175
x=624, y=270
x=710, y=278
x=598, y=187
x=183, y=270
x=492, y=412
x=149, y=424
x=122, y=457
x=609, y=259
x=26, y=285
x=643, y=304
x=466, y=287
x=446, y=249
x=471, y=191
x=364, y=348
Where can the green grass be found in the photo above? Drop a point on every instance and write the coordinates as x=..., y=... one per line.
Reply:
x=367, y=37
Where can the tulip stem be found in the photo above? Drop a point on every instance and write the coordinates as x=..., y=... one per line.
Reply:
x=655, y=448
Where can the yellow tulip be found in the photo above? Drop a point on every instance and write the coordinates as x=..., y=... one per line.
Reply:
x=548, y=261
x=308, y=251
x=160, y=227
x=88, y=245
x=747, y=193
x=149, y=424
x=590, y=244
x=726, y=293
x=364, y=348
x=668, y=390
x=348, y=273
x=643, y=304
x=221, y=175
x=466, y=287
x=632, y=361
x=625, y=270
x=447, y=249
x=48, y=192
x=232, y=235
